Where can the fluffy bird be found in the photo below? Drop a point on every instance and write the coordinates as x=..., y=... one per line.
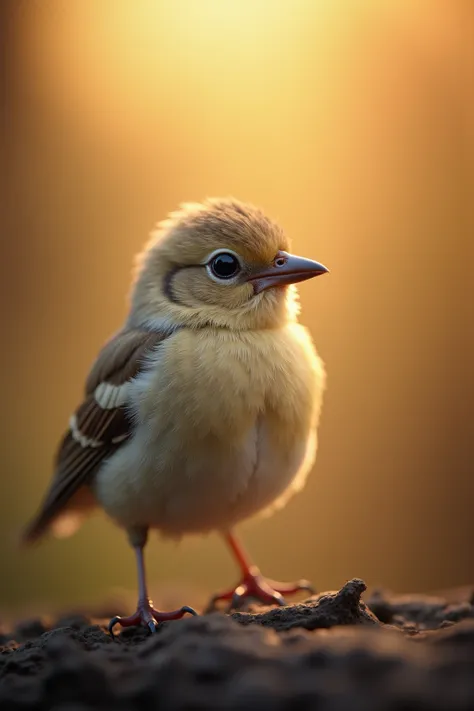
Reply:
x=203, y=409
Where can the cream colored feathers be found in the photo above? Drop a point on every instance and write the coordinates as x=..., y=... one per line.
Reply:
x=203, y=409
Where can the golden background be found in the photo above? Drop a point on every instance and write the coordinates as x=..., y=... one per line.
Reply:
x=349, y=121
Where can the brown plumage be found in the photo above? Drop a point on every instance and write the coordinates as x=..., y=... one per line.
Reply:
x=94, y=435
x=203, y=409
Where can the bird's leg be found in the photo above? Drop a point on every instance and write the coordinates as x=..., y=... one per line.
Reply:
x=145, y=613
x=253, y=585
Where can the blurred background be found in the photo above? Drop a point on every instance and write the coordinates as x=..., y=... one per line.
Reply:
x=349, y=121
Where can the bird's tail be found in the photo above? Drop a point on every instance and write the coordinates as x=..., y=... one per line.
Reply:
x=62, y=525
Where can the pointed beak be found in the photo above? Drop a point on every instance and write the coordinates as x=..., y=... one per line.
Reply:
x=286, y=269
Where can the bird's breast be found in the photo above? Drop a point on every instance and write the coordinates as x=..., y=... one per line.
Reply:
x=215, y=381
x=225, y=426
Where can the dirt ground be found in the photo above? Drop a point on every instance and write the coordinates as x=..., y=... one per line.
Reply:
x=331, y=653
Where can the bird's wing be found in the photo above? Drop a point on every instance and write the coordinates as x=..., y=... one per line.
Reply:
x=99, y=426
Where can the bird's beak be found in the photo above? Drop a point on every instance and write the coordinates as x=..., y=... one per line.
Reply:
x=286, y=269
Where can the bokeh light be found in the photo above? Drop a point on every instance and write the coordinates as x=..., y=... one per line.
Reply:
x=349, y=121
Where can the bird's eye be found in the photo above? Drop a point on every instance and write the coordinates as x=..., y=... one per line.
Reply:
x=225, y=265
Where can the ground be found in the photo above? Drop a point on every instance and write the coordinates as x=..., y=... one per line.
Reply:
x=333, y=652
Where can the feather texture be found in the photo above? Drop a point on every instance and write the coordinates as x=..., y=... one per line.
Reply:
x=218, y=422
x=97, y=429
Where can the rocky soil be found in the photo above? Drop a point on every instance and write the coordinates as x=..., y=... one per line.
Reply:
x=332, y=652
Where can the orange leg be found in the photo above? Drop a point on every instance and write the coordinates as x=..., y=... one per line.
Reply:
x=253, y=585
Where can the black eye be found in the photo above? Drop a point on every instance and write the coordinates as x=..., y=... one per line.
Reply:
x=225, y=265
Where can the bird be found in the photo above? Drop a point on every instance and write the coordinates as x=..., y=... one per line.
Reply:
x=202, y=410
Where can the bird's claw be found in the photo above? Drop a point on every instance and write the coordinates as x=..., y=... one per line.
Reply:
x=305, y=585
x=240, y=596
x=152, y=626
x=115, y=620
x=255, y=587
x=146, y=614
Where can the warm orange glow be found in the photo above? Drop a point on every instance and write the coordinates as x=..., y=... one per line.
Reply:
x=137, y=58
x=351, y=122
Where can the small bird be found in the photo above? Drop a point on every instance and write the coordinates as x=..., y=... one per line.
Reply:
x=202, y=410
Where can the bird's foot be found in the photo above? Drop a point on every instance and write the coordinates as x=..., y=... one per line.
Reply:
x=149, y=617
x=255, y=587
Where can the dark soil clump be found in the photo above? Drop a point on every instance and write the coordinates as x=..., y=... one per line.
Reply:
x=332, y=652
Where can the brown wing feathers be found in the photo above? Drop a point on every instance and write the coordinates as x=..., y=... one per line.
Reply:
x=98, y=427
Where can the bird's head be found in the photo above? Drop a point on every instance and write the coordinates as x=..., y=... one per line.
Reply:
x=221, y=263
